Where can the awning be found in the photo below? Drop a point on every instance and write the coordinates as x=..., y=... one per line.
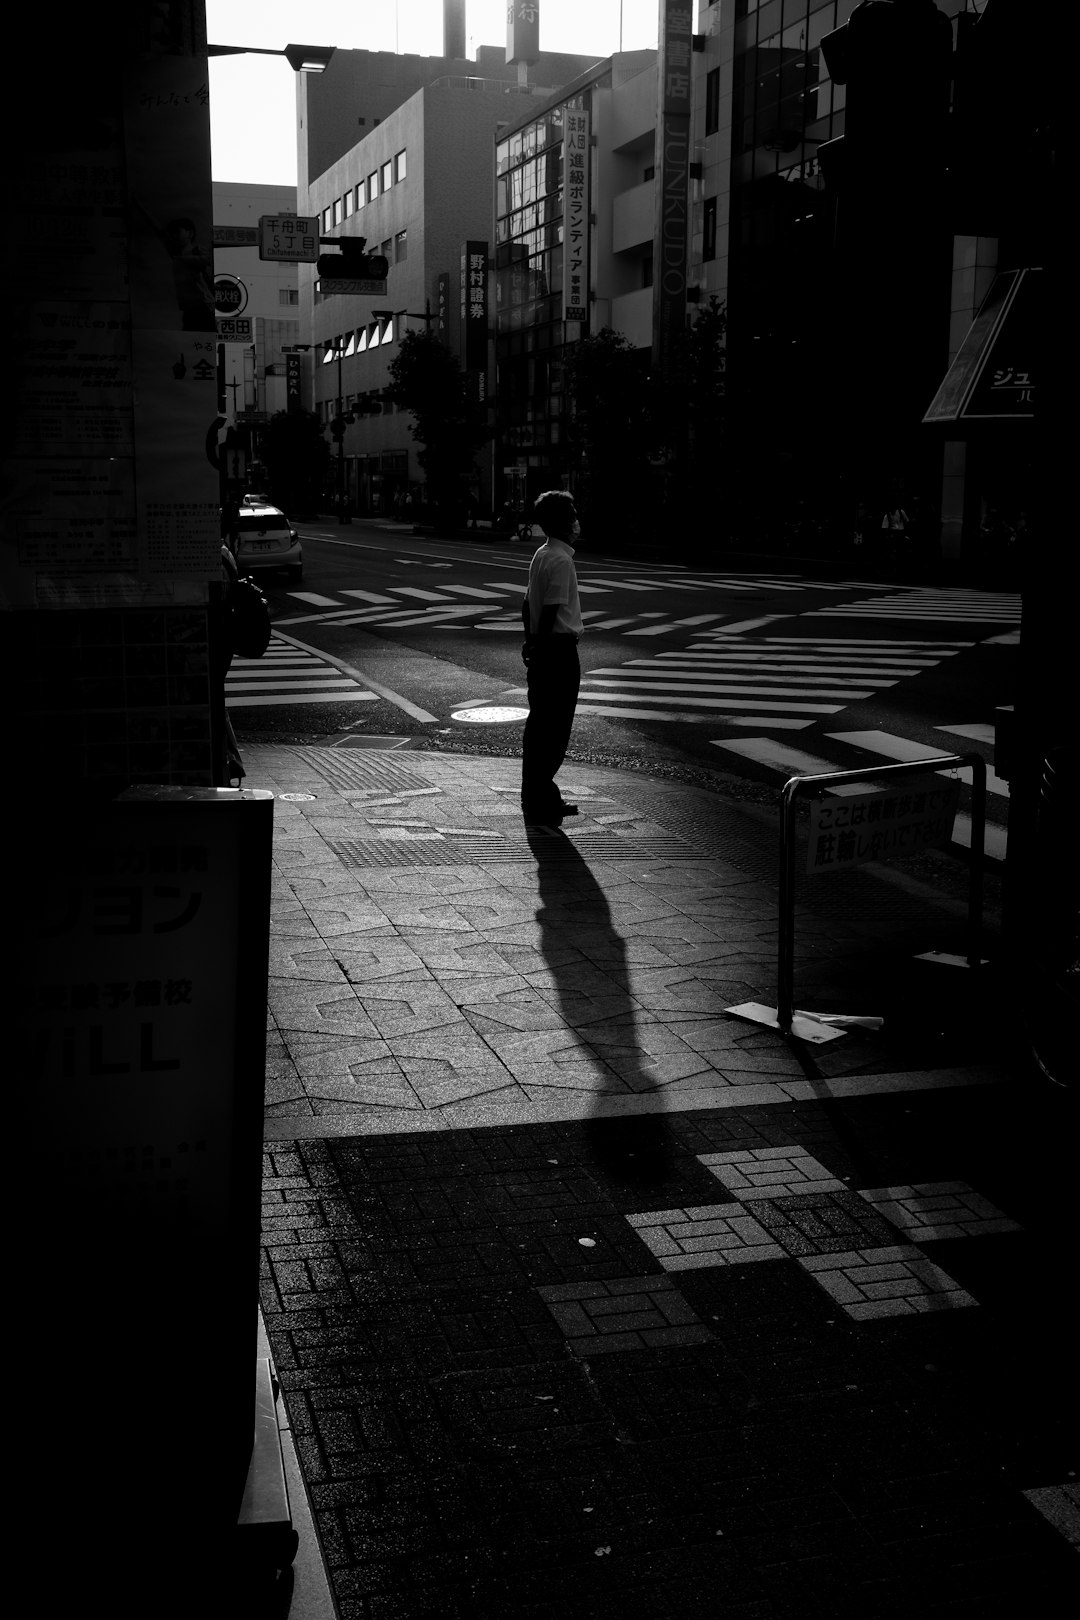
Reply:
x=992, y=378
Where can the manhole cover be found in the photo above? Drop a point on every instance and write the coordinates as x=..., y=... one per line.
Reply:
x=490, y=715
x=295, y=798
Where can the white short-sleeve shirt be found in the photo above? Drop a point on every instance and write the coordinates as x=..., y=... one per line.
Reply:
x=553, y=579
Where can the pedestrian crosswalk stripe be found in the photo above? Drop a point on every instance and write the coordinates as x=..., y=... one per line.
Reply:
x=474, y=590
x=751, y=664
x=288, y=675
x=882, y=643
x=314, y=683
x=904, y=751
x=915, y=603
x=643, y=688
x=976, y=733
x=813, y=675
x=355, y=696
x=786, y=761
x=424, y=596
x=314, y=599
x=369, y=596
x=636, y=695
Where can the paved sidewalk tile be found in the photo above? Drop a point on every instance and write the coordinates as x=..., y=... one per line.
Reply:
x=770, y=1172
x=938, y=1209
x=708, y=1235
x=894, y=1281
x=627, y=1313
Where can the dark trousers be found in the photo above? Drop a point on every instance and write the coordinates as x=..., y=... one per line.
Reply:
x=554, y=678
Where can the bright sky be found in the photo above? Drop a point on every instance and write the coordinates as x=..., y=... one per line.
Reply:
x=253, y=98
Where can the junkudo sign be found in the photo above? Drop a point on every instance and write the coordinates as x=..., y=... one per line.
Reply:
x=673, y=175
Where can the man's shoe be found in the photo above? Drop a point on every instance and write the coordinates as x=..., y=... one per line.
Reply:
x=568, y=809
x=548, y=817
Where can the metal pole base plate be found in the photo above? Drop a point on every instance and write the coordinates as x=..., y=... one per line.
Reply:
x=804, y=1026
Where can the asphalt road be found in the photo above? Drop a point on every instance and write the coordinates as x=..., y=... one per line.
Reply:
x=739, y=677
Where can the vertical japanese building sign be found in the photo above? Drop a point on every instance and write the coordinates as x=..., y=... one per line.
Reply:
x=293, y=386
x=442, y=301
x=474, y=310
x=575, y=215
x=522, y=30
x=672, y=175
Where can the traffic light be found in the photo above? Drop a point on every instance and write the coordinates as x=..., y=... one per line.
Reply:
x=894, y=59
x=351, y=263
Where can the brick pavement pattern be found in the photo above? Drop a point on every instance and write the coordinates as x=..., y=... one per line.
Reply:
x=576, y=1303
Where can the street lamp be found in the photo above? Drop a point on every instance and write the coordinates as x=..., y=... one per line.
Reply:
x=301, y=58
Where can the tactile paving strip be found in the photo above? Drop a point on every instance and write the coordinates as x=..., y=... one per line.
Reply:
x=454, y=850
x=361, y=773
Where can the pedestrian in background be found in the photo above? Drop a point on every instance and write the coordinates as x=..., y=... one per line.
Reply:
x=551, y=614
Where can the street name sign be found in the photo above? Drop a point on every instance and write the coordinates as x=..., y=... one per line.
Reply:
x=356, y=286
x=292, y=238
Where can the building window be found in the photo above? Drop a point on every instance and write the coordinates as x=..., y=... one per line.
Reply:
x=708, y=247
x=387, y=250
x=647, y=270
x=326, y=219
x=401, y=246
x=650, y=172
x=399, y=167
x=712, y=101
x=337, y=211
x=373, y=186
x=347, y=203
x=288, y=295
x=360, y=198
x=387, y=175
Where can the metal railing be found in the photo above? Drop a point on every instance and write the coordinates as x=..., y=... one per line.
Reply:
x=785, y=989
x=807, y=1025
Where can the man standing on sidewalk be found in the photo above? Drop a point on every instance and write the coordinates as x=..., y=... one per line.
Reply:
x=551, y=614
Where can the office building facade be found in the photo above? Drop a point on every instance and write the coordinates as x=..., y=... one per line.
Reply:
x=575, y=211
x=417, y=186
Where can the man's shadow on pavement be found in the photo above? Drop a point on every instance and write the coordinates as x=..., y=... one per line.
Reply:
x=632, y=1147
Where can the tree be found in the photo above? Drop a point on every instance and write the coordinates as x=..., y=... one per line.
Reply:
x=450, y=426
x=297, y=459
x=607, y=391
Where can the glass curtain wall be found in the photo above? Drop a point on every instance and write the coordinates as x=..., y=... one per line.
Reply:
x=528, y=293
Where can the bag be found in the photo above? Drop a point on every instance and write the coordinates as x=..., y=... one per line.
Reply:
x=249, y=619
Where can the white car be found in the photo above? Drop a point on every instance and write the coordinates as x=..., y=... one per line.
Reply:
x=266, y=540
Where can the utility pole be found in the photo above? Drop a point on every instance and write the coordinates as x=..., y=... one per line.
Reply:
x=343, y=516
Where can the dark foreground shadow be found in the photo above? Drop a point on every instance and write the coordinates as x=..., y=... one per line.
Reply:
x=628, y=1133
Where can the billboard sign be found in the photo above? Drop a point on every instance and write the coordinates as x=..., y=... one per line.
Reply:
x=575, y=215
x=672, y=175
x=474, y=305
x=522, y=30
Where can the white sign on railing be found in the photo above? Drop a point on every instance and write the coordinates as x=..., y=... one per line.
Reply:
x=871, y=826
